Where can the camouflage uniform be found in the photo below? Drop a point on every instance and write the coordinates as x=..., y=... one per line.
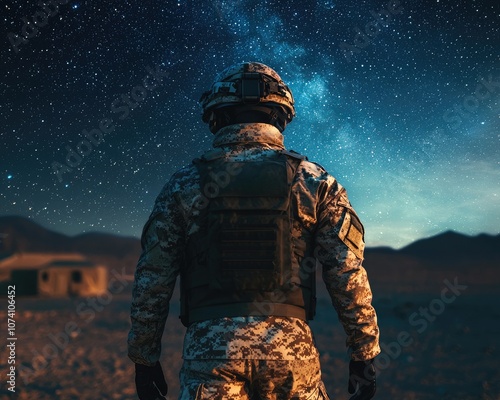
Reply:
x=273, y=356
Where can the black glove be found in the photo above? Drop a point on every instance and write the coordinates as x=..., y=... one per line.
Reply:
x=150, y=382
x=362, y=380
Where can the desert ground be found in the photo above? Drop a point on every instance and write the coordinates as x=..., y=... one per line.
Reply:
x=76, y=348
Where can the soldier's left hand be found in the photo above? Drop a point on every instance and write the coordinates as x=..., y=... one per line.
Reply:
x=150, y=382
x=362, y=380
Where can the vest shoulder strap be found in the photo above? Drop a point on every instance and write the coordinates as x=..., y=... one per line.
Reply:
x=293, y=154
x=210, y=155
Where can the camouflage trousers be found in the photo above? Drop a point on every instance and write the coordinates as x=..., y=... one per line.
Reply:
x=251, y=380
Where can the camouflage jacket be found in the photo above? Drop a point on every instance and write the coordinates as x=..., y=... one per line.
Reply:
x=322, y=206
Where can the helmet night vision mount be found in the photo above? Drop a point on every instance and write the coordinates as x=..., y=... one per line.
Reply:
x=247, y=92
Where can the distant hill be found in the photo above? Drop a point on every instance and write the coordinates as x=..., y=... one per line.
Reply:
x=456, y=248
x=23, y=234
x=448, y=249
x=425, y=262
x=19, y=234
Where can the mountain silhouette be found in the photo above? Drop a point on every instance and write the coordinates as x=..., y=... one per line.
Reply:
x=456, y=248
x=20, y=234
x=24, y=235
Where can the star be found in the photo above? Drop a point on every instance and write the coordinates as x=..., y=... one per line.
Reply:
x=389, y=121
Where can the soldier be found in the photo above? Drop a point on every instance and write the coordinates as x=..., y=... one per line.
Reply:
x=245, y=227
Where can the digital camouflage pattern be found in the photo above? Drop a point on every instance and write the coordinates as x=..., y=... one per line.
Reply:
x=321, y=205
x=253, y=338
x=230, y=380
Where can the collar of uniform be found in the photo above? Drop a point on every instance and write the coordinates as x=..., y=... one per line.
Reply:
x=256, y=133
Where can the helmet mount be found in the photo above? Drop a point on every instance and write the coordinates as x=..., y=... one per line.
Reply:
x=247, y=92
x=251, y=86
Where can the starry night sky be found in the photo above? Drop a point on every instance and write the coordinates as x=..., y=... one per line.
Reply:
x=403, y=110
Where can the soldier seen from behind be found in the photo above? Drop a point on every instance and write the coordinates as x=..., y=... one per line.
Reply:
x=245, y=226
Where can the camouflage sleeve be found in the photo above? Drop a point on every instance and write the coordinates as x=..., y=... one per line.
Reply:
x=340, y=247
x=155, y=276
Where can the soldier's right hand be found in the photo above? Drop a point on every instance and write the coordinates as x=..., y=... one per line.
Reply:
x=362, y=380
x=150, y=382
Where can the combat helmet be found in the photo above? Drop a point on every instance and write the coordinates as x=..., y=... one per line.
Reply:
x=247, y=92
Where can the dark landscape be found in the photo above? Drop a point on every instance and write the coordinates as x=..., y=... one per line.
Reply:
x=436, y=301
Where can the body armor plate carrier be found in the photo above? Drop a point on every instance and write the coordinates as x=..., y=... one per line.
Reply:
x=243, y=260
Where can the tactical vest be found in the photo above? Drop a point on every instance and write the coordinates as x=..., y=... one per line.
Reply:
x=243, y=260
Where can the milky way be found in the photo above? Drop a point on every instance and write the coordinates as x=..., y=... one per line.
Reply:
x=399, y=100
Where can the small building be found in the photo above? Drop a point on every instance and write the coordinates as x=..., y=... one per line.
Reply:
x=53, y=275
